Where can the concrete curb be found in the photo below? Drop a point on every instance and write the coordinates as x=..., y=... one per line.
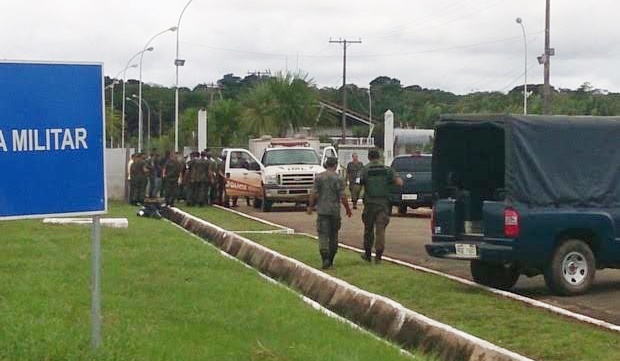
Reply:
x=383, y=316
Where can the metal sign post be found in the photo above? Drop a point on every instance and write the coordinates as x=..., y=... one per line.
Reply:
x=96, y=284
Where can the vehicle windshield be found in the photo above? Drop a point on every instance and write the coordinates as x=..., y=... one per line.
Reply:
x=412, y=164
x=290, y=156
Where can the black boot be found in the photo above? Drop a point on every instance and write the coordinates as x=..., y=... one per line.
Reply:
x=366, y=256
x=326, y=260
x=378, y=255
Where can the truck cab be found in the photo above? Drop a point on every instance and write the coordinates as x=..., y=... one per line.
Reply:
x=285, y=172
x=527, y=195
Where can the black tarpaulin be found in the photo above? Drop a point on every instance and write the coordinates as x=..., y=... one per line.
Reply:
x=536, y=160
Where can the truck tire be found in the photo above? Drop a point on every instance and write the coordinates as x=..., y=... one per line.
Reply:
x=501, y=276
x=572, y=268
x=258, y=203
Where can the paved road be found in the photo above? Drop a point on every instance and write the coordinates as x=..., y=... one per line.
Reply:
x=407, y=234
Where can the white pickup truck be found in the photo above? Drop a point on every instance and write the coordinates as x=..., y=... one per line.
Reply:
x=285, y=172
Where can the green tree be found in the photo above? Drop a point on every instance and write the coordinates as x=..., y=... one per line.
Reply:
x=224, y=124
x=281, y=103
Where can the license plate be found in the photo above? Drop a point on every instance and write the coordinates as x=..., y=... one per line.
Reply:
x=467, y=250
x=409, y=197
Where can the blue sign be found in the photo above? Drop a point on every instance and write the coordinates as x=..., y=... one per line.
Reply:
x=51, y=140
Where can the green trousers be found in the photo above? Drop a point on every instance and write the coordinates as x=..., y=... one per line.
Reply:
x=376, y=218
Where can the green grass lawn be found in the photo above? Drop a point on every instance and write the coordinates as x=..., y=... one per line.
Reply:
x=507, y=323
x=510, y=324
x=166, y=296
x=230, y=220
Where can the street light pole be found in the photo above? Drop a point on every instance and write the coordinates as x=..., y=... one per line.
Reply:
x=137, y=105
x=520, y=22
x=174, y=28
x=177, y=63
x=124, y=91
x=148, y=121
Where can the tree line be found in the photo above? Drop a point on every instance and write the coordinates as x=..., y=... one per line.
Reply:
x=239, y=108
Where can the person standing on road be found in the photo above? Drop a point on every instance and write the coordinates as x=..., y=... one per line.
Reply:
x=328, y=194
x=376, y=179
x=354, y=170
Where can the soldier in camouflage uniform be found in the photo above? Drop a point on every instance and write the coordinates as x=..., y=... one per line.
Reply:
x=201, y=179
x=191, y=191
x=376, y=179
x=211, y=194
x=354, y=170
x=328, y=194
x=139, y=175
x=171, y=172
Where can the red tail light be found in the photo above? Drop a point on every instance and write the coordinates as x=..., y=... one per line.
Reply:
x=511, y=223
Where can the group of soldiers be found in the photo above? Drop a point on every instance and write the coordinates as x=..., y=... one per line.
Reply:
x=202, y=181
x=199, y=180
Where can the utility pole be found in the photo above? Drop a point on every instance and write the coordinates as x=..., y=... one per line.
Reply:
x=344, y=43
x=546, y=59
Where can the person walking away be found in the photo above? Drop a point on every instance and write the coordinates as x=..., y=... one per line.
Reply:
x=171, y=173
x=354, y=170
x=328, y=194
x=376, y=179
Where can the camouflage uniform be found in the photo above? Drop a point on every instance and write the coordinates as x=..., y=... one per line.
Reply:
x=138, y=173
x=329, y=190
x=354, y=170
x=200, y=181
x=172, y=171
x=376, y=179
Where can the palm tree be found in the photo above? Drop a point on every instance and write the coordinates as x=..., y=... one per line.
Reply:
x=283, y=102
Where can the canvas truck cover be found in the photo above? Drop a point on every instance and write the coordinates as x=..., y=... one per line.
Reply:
x=545, y=160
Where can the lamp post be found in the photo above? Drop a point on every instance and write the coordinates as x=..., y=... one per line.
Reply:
x=139, y=114
x=177, y=63
x=520, y=22
x=174, y=28
x=148, y=121
x=124, y=94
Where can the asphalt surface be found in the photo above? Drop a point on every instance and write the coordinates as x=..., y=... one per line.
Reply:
x=405, y=239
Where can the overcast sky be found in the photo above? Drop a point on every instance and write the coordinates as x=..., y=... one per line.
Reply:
x=454, y=45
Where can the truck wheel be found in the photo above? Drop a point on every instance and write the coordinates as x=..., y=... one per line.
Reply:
x=572, y=268
x=402, y=209
x=257, y=203
x=501, y=276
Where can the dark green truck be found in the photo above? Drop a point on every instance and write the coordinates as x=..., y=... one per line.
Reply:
x=528, y=195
